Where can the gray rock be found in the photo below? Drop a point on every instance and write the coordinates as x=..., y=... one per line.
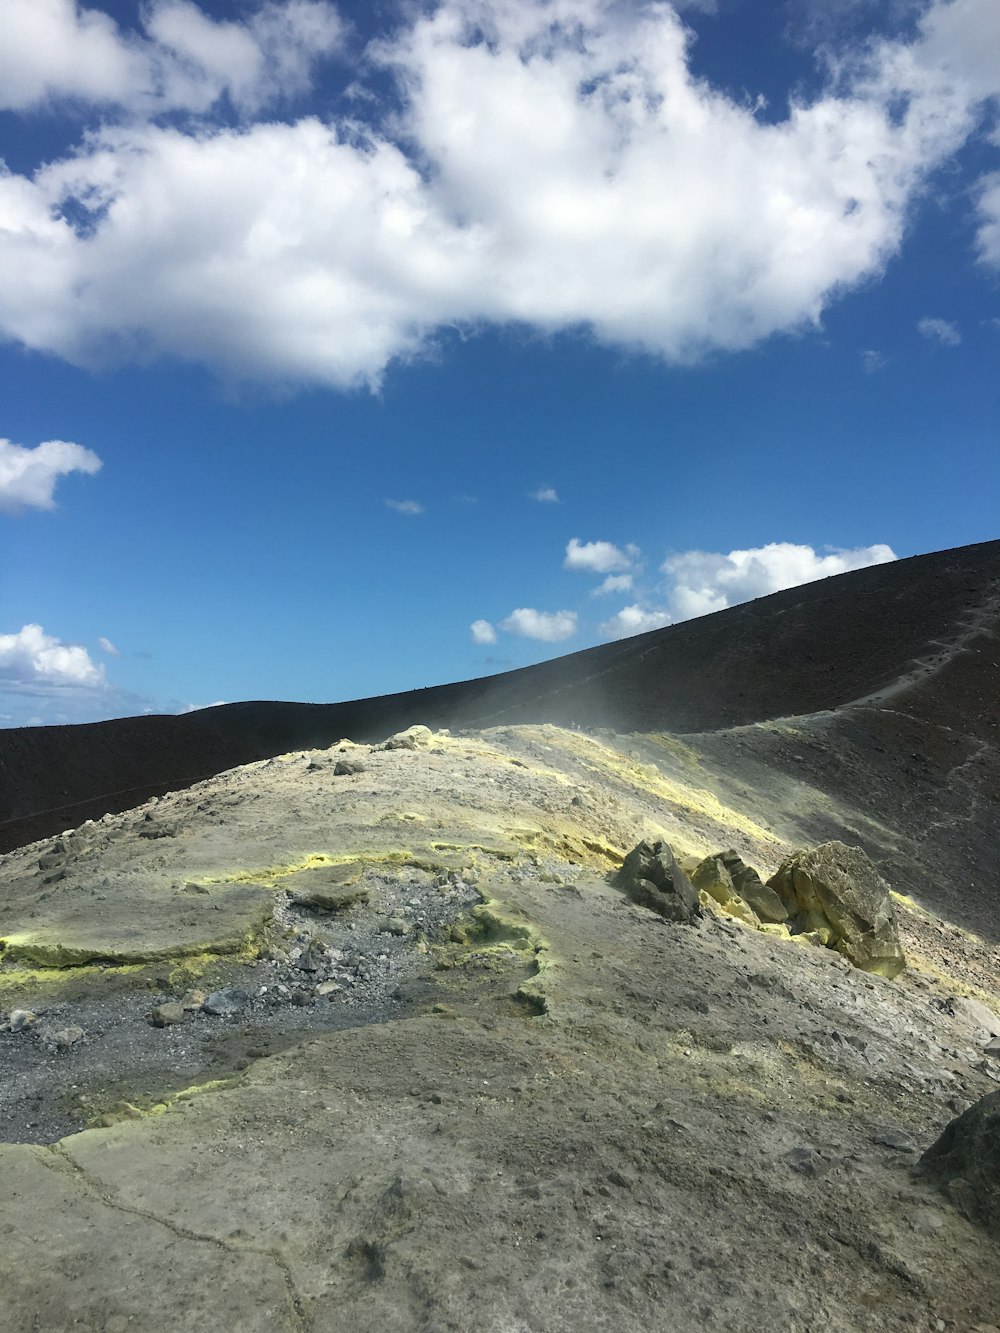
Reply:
x=230, y=1000
x=926, y=1221
x=20, y=1019
x=976, y=1015
x=652, y=878
x=345, y=768
x=894, y=1138
x=395, y=925
x=312, y=960
x=965, y=1162
x=835, y=894
x=806, y=1161
x=166, y=1015
x=60, y=1040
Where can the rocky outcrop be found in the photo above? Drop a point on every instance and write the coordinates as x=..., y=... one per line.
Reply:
x=711, y=877
x=965, y=1162
x=652, y=878
x=762, y=899
x=413, y=738
x=834, y=894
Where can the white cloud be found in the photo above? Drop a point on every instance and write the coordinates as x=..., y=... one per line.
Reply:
x=988, y=235
x=549, y=626
x=613, y=583
x=197, y=708
x=598, y=557
x=941, y=331
x=405, y=506
x=545, y=495
x=483, y=632
x=28, y=476
x=555, y=165
x=700, y=582
x=55, y=50
x=634, y=620
x=873, y=360
x=106, y=646
x=35, y=661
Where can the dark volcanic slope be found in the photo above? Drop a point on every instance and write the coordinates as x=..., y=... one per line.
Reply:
x=926, y=627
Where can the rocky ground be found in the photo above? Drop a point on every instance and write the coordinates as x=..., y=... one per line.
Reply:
x=422, y=1066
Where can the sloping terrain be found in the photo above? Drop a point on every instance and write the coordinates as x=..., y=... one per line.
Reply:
x=336, y=1034
x=449, y=1077
x=812, y=648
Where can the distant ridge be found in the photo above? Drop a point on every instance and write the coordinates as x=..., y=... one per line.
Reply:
x=811, y=648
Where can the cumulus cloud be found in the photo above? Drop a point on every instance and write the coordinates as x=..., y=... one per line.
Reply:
x=34, y=661
x=598, y=557
x=482, y=632
x=613, y=583
x=941, y=331
x=55, y=50
x=548, y=626
x=700, y=582
x=545, y=495
x=28, y=476
x=634, y=620
x=555, y=165
x=405, y=506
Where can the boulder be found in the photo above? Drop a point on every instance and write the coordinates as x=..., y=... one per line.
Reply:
x=711, y=878
x=60, y=1040
x=965, y=1162
x=21, y=1019
x=834, y=893
x=651, y=877
x=345, y=768
x=167, y=1015
x=752, y=889
x=413, y=738
x=229, y=1000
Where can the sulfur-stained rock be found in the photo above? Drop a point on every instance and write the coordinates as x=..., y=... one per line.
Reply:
x=327, y=888
x=413, y=738
x=965, y=1162
x=652, y=878
x=834, y=893
x=762, y=899
x=713, y=879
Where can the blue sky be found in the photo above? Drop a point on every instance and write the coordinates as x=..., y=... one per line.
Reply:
x=348, y=350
